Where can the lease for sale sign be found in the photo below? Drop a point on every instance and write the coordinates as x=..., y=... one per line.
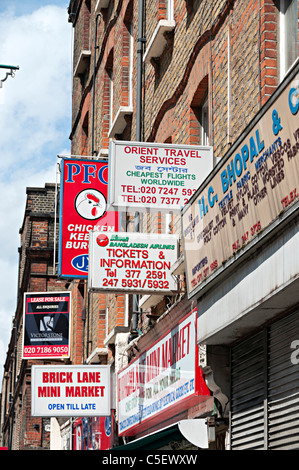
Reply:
x=83, y=207
x=132, y=262
x=46, y=333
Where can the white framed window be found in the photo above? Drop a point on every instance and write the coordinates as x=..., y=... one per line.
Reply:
x=110, y=98
x=158, y=41
x=169, y=10
x=204, y=118
x=288, y=35
x=131, y=43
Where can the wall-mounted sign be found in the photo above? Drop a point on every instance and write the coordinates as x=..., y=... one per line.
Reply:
x=160, y=382
x=83, y=207
x=157, y=176
x=70, y=390
x=46, y=325
x=93, y=433
x=132, y=262
x=257, y=181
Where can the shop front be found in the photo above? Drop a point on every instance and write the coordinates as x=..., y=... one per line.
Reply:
x=162, y=395
x=242, y=267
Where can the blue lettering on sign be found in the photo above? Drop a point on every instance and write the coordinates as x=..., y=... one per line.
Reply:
x=55, y=406
x=108, y=425
x=294, y=100
x=73, y=169
x=238, y=164
x=80, y=263
x=89, y=173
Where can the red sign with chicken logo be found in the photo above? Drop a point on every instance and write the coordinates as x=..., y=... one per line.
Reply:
x=83, y=207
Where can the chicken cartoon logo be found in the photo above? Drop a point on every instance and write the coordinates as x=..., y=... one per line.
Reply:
x=90, y=204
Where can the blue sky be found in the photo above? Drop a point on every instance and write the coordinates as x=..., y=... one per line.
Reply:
x=25, y=7
x=35, y=123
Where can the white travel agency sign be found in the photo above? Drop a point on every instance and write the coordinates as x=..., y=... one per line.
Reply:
x=157, y=176
x=132, y=262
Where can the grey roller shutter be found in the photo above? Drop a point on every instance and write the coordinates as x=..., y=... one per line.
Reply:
x=247, y=398
x=265, y=389
x=283, y=385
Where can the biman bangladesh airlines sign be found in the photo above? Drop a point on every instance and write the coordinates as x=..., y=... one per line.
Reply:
x=132, y=262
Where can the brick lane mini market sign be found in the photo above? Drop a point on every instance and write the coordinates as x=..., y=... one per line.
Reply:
x=70, y=390
x=254, y=184
x=156, y=176
x=132, y=262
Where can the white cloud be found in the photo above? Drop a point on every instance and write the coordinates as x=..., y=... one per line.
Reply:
x=36, y=104
x=35, y=120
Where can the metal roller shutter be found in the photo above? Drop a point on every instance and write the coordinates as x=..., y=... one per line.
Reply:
x=283, y=385
x=265, y=389
x=247, y=398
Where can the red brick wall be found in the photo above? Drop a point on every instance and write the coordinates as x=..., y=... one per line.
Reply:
x=36, y=275
x=227, y=49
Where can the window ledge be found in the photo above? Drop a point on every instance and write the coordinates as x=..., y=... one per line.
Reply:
x=148, y=301
x=101, y=4
x=98, y=356
x=82, y=63
x=158, y=41
x=178, y=268
x=111, y=338
x=103, y=153
x=119, y=123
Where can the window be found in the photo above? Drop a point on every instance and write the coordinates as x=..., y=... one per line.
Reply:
x=84, y=136
x=169, y=10
x=204, y=121
x=288, y=34
x=127, y=68
x=110, y=78
x=121, y=117
x=130, y=64
x=166, y=24
x=107, y=111
x=199, y=115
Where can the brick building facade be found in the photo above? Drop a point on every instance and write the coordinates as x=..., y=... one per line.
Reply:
x=208, y=68
x=21, y=431
x=185, y=73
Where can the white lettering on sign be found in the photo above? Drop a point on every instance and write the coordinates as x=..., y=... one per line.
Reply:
x=132, y=262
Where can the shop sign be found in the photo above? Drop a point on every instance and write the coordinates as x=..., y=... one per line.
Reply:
x=252, y=186
x=70, y=390
x=92, y=433
x=159, y=382
x=83, y=207
x=156, y=176
x=46, y=320
x=132, y=262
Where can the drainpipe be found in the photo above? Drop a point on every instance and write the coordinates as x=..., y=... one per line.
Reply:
x=94, y=80
x=92, y=154
x=13, y=385
x=140, y=41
